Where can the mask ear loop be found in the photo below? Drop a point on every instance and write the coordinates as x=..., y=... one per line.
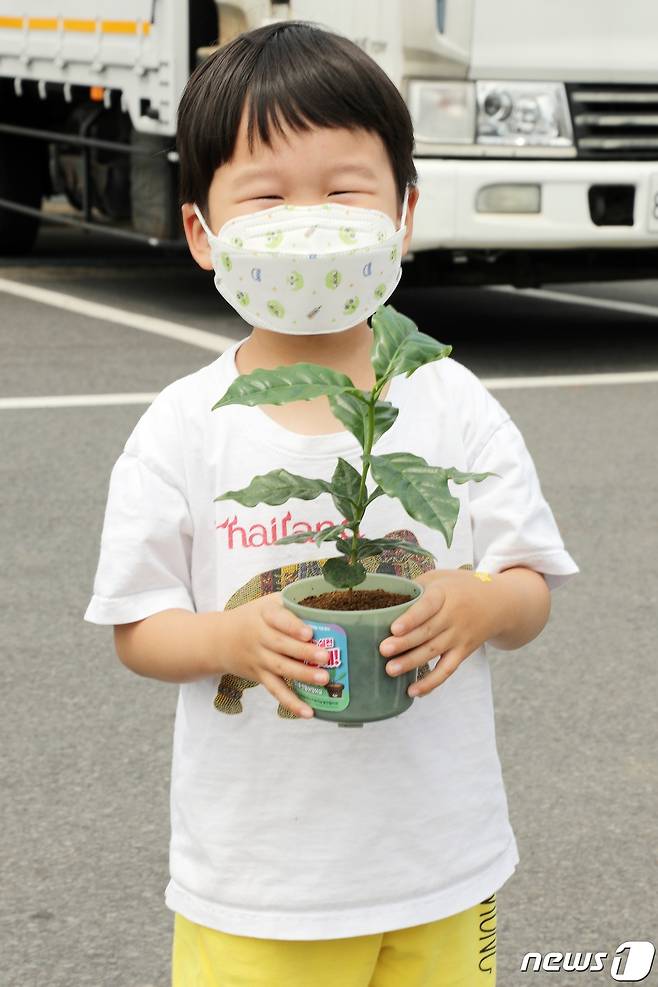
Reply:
x=202, y=221
x=404, y=207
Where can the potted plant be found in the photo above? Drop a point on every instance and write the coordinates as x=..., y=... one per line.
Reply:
x=351, y=622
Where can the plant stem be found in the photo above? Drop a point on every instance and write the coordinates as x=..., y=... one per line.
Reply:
x=363, y=492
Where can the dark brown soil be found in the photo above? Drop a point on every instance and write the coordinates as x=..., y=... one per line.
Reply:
x=358, y=599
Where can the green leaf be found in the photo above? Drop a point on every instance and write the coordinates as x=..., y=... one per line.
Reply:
x=459, y=477
x=376, y=546
x=385, y=415
x=352, y=410
x=345, y=484
x=330, y=534
x=298, y=382
x=399, y=347
x=367, y=546
x=390, y=329
x=341, y=574
x=299, y=537
x=422, y=489
x=324, y=534
x=377, y=492
x=418, y=351
x=276, y=487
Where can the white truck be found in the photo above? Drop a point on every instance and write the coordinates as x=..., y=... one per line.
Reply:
x=536, y=123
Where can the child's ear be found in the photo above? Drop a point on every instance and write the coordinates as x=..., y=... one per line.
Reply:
x=409, y=220
x=196, y=237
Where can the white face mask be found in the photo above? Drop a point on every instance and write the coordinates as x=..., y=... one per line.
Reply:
x=307, y=269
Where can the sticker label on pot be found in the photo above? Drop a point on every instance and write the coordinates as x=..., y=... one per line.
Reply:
x=336, y=693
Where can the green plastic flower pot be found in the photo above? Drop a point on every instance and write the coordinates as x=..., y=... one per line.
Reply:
x=360, y=689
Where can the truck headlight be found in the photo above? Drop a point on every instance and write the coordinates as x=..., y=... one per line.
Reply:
x=442, y=112
x=523, y=113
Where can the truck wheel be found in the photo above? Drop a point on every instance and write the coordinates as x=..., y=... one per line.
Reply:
x=22, y=181
x=153, y=188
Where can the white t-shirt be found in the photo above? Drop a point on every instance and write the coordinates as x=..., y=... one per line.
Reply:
x=295, y=829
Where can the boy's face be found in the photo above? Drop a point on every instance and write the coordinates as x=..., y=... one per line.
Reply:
x=307, y=167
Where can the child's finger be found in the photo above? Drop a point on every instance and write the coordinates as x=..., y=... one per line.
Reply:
x=290, y=668
x=285, y=644
x=429, y=604
x=281, y=619
x=397, y=644
x=286, y=696
x=419, y=656
x=448, y=663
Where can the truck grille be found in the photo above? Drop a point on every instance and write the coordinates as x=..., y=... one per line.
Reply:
x=615, y=121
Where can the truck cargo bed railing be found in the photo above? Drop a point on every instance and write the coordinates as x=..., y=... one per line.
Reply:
x=87, y=222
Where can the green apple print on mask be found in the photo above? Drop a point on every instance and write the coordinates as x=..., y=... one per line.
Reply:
x=243, y=297
x=333, y=279
x=295, y=280
x=347, y=234
x=276, y=308
x=351, y=305
x=226, y=261
x=273, y=239
x=380, y=290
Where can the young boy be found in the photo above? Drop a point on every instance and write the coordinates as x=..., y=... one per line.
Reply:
x=303, y=854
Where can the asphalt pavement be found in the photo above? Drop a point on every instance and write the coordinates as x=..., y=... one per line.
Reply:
x=87, y=744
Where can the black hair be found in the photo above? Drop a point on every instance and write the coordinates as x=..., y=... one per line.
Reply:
x=290, y=70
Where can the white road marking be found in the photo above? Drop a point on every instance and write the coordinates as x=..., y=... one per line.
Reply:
x=631, y=308
x=491, y=383
x=108, y=313
x=218, y=343
x=74, y=400
x=570, y=380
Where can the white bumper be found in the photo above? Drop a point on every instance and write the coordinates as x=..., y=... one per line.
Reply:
x=446, y=217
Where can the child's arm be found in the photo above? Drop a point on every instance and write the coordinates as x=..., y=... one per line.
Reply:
x=522, y=601
x=172, y=645
x=261, y=641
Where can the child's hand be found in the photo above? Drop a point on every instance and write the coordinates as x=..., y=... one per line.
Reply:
x=269, y=643
x=453, y=617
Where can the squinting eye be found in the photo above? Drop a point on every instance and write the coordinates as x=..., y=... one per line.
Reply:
x=268, y=197
x=343, y=193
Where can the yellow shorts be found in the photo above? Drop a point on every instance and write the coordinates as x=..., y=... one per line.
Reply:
x=457, y=951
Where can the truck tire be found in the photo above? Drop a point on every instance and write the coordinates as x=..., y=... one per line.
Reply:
x=22, y=180
x=153, y=188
